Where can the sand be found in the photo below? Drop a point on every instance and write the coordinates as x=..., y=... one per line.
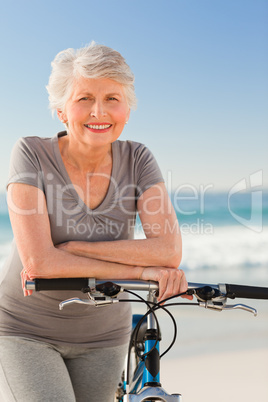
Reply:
x=234, y=377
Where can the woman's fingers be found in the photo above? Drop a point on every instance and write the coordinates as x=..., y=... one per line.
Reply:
x=25, y=277
x=164, y=284
x=184, y=287
x=171, y=281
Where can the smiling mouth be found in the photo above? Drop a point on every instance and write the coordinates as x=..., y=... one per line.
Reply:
x=98, y=126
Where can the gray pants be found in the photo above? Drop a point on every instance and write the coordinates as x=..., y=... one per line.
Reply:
x=33, y=371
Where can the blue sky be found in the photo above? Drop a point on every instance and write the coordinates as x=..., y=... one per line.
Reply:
x=201, y=79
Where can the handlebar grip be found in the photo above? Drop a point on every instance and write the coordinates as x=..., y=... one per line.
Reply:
x=80, y=284
x=246, y=292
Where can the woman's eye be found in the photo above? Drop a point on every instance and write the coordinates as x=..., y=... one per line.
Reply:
x=112, y=98
x=85, y=98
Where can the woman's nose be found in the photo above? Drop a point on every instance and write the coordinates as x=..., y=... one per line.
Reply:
x=98, y=110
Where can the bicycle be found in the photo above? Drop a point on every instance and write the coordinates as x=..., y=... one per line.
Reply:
x=141, y=375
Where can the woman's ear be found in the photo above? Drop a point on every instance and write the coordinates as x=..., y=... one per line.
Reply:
x=61, y=116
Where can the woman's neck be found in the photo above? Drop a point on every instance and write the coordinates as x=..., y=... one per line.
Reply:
x=85, y=159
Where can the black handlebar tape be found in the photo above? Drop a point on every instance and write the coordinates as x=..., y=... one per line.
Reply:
x=246, y=292
x=62, y=284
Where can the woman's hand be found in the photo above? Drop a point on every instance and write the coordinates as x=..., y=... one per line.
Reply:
x=171, y=281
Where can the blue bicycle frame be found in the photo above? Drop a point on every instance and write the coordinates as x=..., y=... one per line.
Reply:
x=147, y=370
x=145, y=384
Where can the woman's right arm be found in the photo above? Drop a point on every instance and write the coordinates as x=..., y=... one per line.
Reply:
x=40, y=259
x=31, y=228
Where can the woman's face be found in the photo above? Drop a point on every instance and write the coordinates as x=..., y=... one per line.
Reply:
x=96, y=111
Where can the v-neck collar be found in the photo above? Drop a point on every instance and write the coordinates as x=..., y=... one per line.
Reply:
x=111, y=189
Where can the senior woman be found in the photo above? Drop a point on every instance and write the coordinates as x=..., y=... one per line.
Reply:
x=73, y=200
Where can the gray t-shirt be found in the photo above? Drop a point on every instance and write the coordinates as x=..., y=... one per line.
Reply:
x=37, y=161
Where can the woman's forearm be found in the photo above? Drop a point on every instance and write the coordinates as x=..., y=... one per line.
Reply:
x=61, y=264
x=142, y=252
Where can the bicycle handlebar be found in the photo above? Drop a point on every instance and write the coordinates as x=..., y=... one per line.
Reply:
x=246, y=292
x=84, y=285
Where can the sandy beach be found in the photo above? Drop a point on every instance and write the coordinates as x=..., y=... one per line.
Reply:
x=218, y=356
x=237, y=376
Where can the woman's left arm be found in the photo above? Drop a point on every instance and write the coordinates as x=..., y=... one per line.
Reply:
x=162, y=246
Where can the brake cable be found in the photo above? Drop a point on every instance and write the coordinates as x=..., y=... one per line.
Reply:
x=152, y=307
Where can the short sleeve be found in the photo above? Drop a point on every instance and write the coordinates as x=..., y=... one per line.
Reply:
x=24, y=165
x=147, y=171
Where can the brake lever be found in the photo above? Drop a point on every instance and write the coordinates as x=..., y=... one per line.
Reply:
x=242, y=307
x=219, y=306
x=216, y=299
x=96, y=300
x=75, y=300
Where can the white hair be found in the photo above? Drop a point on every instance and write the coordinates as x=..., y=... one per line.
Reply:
x=92, y=61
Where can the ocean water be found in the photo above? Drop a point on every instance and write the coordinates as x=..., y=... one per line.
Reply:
x=223, y=238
